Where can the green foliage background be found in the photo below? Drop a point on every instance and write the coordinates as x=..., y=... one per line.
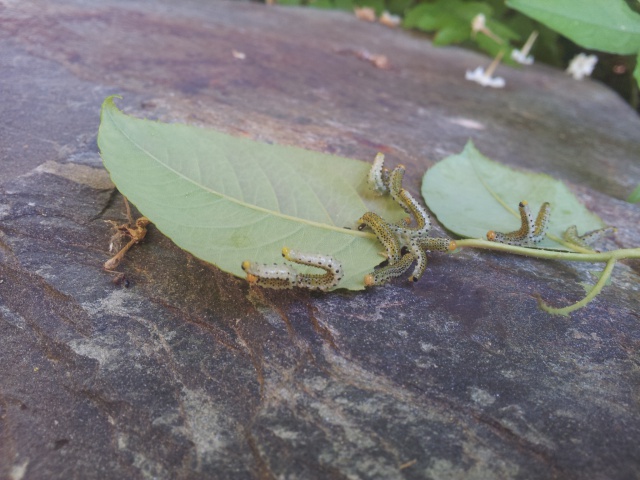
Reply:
x=566, y=27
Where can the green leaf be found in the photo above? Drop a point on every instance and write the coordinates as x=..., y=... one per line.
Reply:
x=451, y=34
x=635, y=196
x=413, y=15
x=636, y=71
x=606, y=25
x=453, y=14
x=472, y=194
x=228, y=199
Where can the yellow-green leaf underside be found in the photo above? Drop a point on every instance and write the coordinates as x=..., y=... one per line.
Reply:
x=472, y=194
x=227, y=199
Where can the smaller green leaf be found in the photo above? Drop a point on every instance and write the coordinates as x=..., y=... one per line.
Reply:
x=635, y=196
x=606, y=25
x=472, y=194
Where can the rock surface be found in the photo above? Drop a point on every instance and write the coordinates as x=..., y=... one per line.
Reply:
x=189, y=373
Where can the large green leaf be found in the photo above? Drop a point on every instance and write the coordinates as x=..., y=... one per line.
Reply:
x=228, y=199
x=606, y=25
x=472, y=194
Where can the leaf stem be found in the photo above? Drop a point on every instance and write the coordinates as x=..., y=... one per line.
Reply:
x=610, y=258
x=569, y=246
x=595, y=257
x=597, y=288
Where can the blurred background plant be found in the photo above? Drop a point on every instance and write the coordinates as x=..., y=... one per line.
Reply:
x=609, y=29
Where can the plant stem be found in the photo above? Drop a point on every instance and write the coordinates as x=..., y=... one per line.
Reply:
x=494, y=64
x=610, y=258
x=594, y=257
x=564, y=311
x=530, y=41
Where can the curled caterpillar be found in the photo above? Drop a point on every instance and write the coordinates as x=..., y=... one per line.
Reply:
x=282, y=276
x=530, y=232
x=316, y=281
x=395, y=237
x=386, y=234
x=585, y=241
x=386, y=273
x=393, y=270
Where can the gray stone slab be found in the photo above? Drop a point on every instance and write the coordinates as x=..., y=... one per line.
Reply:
x=189, y=373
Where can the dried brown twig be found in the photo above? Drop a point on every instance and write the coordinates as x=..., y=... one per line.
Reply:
x=134, y=231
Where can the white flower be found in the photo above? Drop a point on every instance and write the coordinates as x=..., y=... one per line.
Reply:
x=486, y=80
x=522, y=56
x=389, y=20
x=582, y=66
x=478, y=24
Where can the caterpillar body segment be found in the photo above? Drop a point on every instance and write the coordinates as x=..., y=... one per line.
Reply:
x=542, y=223
x=378, y=178
x=423, y=222
x=282, y=276
x=420, y=256
x=393, y=185
x=388, y=272
x=517, y=237
x=383, y=232
x=438, y=244
x=316, y=281
x=419, y=250
x=276, y=276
